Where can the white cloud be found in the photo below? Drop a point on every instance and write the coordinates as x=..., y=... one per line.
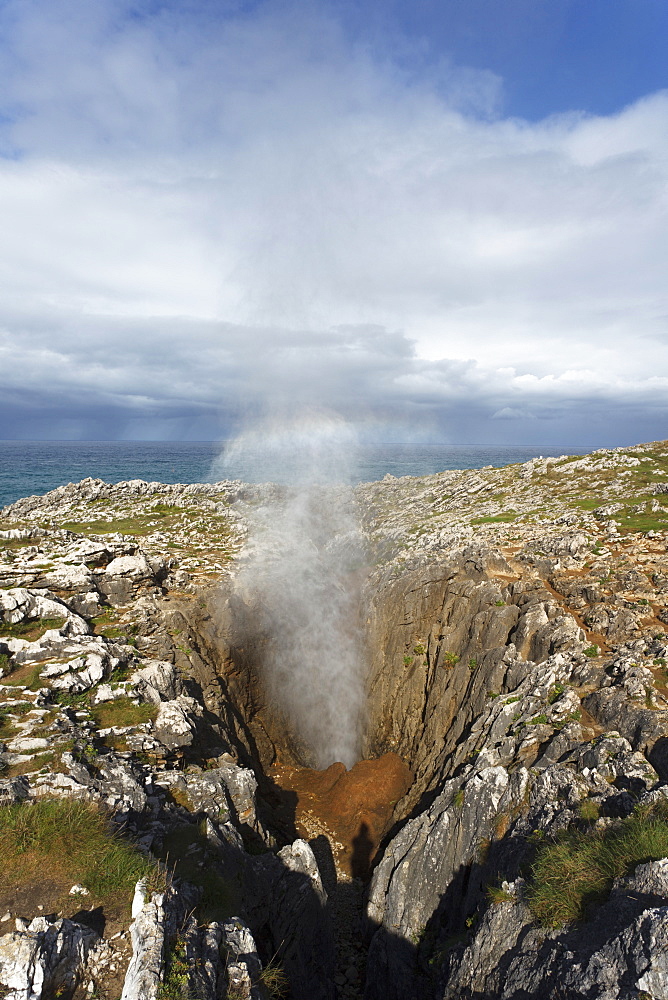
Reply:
x=202, y=212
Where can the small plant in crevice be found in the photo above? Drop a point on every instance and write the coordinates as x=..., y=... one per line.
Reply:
x=589, y=810
x=7, y=712
x=175, y=985
x=274, y=980
x=497, y=894
x=557, y=690
x=591, y=651
x=451, y=660
x=417, y=937
x=501, y=825
x=85, y=751
x=186, y=852
x=68, y=700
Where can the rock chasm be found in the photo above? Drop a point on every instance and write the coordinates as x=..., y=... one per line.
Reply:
x=170, y=826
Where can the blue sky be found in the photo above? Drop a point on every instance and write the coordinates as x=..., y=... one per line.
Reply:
x=444, y=220
x=552, y=55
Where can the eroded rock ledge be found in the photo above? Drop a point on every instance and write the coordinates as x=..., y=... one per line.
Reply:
x=516, y=671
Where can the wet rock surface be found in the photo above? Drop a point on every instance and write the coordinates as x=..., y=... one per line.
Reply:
x=517, y=688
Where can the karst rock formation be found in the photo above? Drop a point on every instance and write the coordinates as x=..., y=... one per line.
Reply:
x=513, y=628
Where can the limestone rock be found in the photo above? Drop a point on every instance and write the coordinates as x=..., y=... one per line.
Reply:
x=157, y=681
x=176, y=722
x=19, y=604
x=619, y=953
x=14, y=790
x=147, y=934
x=44, y=957
x=124, y=577
x=243, y=963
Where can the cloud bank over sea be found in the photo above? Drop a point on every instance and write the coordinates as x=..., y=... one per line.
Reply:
x=206, y=208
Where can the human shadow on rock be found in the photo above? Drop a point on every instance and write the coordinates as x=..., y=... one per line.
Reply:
x=363, y=846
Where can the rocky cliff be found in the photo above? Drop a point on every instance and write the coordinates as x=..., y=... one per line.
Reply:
x=514, y=743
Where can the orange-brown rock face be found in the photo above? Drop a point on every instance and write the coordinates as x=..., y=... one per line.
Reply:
x=352, y=808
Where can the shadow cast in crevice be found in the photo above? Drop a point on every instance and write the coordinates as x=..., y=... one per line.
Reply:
x=360, y=862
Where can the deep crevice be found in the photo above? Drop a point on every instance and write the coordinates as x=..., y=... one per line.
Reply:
x=455, y=622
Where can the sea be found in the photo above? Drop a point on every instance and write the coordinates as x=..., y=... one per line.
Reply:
x=29, y=468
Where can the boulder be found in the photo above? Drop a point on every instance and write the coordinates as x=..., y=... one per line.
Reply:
x=176, y=722
x=157, y=681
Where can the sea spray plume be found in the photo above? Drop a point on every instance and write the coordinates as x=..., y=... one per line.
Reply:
x=301, y=582
x=312, y=449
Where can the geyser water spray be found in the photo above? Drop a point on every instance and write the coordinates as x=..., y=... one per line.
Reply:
x=300, y=580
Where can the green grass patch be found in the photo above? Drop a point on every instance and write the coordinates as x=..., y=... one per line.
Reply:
x=506, y=518
x=122, y=712
x=496, y=894
x=590, y=810
x=144, y=522
x=16, y=543
x=70, y=842
x=630, y=523
x=69, y=700
x=6, y=714
x=111, y=631
x=575, y=872
x=164, y=510
x=121, y=673
x=27, y=676
x=29, y=766
x=31, y=629
x=107, y=625
x=121, y=525
x=274, y=980
x=588, y=504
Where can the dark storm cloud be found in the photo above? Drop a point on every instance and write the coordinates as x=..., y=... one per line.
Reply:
x=200, y=379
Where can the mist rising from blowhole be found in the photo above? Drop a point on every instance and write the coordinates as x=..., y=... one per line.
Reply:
x=301, y=577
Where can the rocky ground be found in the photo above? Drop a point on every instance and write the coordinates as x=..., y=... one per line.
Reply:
x=517, y=675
